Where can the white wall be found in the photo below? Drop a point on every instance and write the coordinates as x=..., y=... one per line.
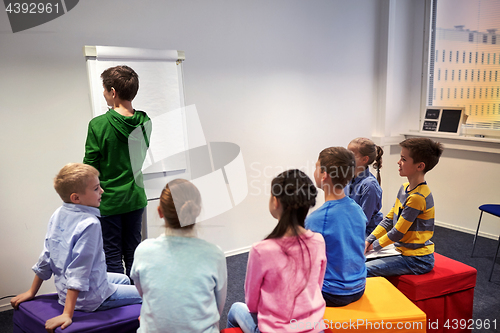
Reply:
x=462, y=181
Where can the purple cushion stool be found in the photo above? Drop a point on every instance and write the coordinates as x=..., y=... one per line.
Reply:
x=32, y=315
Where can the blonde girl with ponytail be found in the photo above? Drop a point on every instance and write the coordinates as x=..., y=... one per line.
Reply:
x=182, y=279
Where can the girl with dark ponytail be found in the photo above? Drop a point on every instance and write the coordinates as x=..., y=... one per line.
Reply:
x=364, y=189
x=285, y=271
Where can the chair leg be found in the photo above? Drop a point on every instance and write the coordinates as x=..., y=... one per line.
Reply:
x=475, y=237
x=494, y=260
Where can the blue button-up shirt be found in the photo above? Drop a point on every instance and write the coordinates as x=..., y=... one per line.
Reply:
x=366, y=192
x=73, y=253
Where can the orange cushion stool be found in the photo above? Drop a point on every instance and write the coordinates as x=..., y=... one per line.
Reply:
x=445, y=294
x=232, y=330
x=382, y=309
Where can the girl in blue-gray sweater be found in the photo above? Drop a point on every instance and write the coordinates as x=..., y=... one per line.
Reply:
x=182, y=279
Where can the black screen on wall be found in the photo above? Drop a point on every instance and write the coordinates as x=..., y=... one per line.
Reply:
x=450, y=120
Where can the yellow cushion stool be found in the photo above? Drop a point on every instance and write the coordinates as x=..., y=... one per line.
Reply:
x=382, y=308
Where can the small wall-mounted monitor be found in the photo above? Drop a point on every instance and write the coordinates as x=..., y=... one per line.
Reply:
x=443, y=120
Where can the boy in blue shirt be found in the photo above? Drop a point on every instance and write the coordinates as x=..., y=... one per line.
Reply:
x=342, y=223
x=73, y=252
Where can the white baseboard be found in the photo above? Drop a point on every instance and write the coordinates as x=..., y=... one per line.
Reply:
x=438, y=223
x=466, y=230
x=237, y=251
x=5, y=307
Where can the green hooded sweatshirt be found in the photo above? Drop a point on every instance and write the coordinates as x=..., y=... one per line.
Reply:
x=116, y=146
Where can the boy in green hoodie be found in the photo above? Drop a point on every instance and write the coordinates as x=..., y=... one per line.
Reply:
x=116, y=146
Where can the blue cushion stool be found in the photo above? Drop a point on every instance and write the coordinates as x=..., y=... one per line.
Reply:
x=493, y=210
x=32, y=315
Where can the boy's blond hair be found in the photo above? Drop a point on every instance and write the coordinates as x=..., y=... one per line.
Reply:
x=73, y=178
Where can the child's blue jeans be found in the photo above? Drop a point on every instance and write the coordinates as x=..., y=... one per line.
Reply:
x=239, y=316
x=125, y=293
x=400, y=265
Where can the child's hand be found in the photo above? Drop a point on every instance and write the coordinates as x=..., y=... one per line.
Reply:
x=63, y=320
x=26, y=296
x=368, y=247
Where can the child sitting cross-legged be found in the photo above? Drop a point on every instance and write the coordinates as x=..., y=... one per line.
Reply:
x=410, y=223
x=342, y=223
x=73, y=252
x=181, y=278
x=285, y=271
x=364, y=188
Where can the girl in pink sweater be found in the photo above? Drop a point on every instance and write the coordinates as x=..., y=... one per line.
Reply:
x=285, y=271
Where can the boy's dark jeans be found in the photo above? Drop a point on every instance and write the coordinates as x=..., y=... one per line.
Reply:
x=400, y=265
x=341, y=300
x=121, y=234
